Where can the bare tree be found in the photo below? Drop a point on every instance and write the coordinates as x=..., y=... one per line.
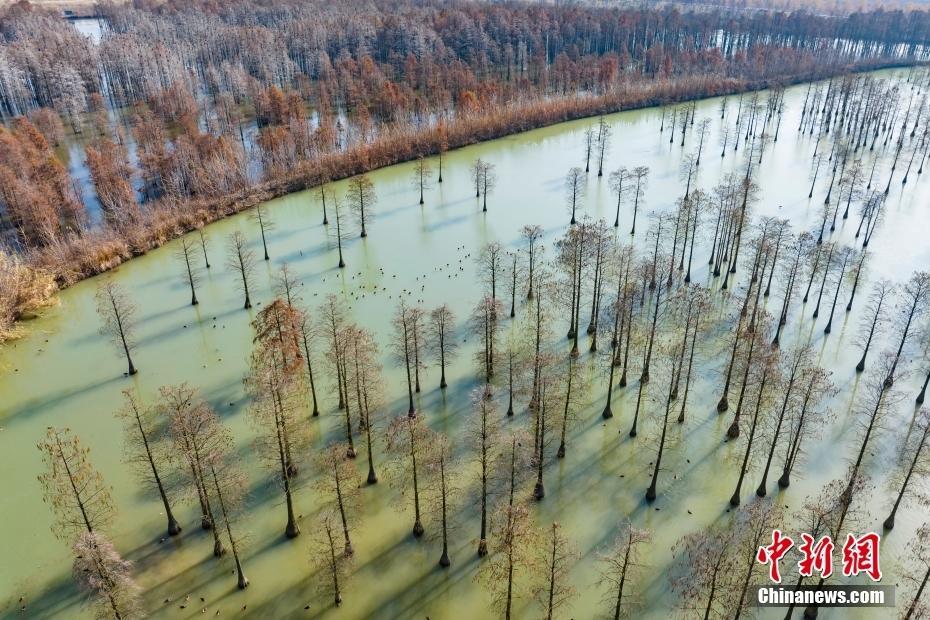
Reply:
x=874, y=319
x=604, y=131
x=361, y=199
x=418, y=337
x=477, y=169
x=338, y=486
x=410, y=443
x=275, y=383
x=640, y=179
x=241, y=259
x=708, y=561
x=146, y=452
x=323, y=199
x=917, y=579
x=871, y=415
x=324, y=553
x=484, y=431
x=441, y=338
x=511, y=560
x=197, y=434
x=264, y=225
x=555, y=555
x=753, y=528
x=488, y=182
x=590, y=142
x=118, y=318
x=332, y=322
x=229, y=485
x=618, y=178
x=485, y=325
x=442, y=491
x=514, y=280
x=422, y=175
x=185, y=254
x=806, y=418
x=106, y=578
x=364, y=374
x=665, y=404
x=703, y=128
x=491, y=267
x=914, y=461
x=484, y=178
x=570, y=404
x=340, y=234
x=532, y=233
x=545, y=401
x=304, y=332
x=402, y=346
x=915, y=294
x=575, y=189
x=621, y=564
x=203, y=247
x=75, y=491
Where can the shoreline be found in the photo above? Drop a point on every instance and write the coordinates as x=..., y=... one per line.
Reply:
x=98, y=251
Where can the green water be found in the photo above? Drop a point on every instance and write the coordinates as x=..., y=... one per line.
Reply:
x=66, y=374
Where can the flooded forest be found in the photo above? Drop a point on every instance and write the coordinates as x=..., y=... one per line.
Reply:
x=460, y=311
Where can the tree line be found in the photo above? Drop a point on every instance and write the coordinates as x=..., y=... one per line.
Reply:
x=167, y=97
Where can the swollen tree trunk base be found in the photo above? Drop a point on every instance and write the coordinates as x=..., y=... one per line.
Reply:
x=418, y=528
x=733, y=431
x=539, y=491
x=372, y=476
x=888, y=523
x=482, y=548
x=174, y=528
x=723, y=404
x=243, y=581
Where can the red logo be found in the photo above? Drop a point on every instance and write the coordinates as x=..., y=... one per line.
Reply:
x=860, y=555
x=817, y=556
x=771, y=554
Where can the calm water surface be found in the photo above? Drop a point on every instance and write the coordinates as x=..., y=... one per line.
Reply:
x=65, y=374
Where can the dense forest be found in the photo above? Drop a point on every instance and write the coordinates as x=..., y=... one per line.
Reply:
x=161, y=101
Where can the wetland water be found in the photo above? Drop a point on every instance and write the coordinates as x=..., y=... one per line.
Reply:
x=65, y=374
